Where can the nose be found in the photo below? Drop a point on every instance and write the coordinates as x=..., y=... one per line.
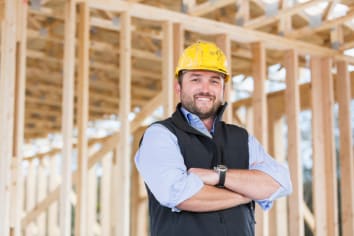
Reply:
x=205, y=86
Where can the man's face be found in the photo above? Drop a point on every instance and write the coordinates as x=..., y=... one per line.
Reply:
x=202, y=92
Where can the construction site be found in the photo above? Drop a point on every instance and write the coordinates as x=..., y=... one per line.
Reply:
x=81, y=80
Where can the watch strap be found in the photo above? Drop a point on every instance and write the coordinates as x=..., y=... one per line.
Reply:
x=222, y=175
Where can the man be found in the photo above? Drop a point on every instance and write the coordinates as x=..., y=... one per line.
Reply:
x=203, y=175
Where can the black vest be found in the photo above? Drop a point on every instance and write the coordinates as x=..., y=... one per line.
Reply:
x=228, y=146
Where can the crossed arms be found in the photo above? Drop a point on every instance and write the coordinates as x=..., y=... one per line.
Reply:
x=241, y=186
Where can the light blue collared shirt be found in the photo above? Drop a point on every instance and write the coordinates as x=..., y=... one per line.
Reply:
x=161, y=164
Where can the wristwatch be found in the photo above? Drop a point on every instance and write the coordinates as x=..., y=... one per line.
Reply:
x=221, y=170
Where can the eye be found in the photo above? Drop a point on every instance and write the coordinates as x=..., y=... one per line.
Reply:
x=195, y=79
x=215, y=81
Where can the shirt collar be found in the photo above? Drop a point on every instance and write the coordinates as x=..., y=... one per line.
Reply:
x=194, y=121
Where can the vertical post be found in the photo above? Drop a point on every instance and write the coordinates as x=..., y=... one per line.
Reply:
x=53, y=208
x=259, y=104
x=17, y=182
x=178, y=46
x=138, y=223
x=167, y=68
x=67, y=117
x=292, y=98
x=41, y=182
x=318, y=171
x=224, y=43
x=124, y=164
x=82, y=120
x=105, y=194
x=346, y=149
x=329, y=148
x=92, y=201
x=7, y=90
x=278, y=215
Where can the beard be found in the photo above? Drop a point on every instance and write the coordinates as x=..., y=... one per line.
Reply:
x=189, y=102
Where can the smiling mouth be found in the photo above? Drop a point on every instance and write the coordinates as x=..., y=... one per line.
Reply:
x=203, y=99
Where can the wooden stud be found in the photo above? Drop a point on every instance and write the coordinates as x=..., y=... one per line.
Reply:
x=224, y=43
x=30, y=194
x=318, y=170
x=41, y=192
x=259, y=104
x=178, y=46
x=91, y=201
x=105, y=194
x=138, y=224
x=81, y=216
x=17, y=182
x=329, y=148
x=53, y=228
x=123, y=153
x=278, y=215
x=67, y=118
x=167, y=68
x=107, y=146
x=292, y=98
x=7, y=90
x=243, y=13
x=346, y=149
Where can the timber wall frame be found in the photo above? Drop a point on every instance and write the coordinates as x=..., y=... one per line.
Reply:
x=323, y=95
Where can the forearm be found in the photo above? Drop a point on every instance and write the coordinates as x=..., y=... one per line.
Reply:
x=254, y=184
x=211, y=198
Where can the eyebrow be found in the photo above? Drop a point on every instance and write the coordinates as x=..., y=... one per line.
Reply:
x=213, y=76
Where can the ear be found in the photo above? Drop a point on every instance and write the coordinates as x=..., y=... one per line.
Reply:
x=177, y=87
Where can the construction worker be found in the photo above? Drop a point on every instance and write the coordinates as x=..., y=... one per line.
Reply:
x=203, y=175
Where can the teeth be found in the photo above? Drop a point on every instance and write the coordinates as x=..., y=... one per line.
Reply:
x=204, y=99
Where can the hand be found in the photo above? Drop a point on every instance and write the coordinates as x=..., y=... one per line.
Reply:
x=208, y=176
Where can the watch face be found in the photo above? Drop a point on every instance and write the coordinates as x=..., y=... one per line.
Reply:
x=222, y=167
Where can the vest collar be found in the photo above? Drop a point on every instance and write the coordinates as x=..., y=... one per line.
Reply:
x=180, y=120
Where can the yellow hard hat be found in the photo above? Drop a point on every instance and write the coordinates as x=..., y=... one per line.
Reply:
x=203, y=56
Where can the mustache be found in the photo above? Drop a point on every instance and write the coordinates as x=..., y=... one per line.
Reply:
x=204, y=94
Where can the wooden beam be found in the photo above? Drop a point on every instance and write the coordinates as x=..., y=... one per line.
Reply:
x=81, y=209
x=208, y=6
x=237, y=34
x=346, y=149
x=138, y=223
x=243, y=12
x=292, y=104
x=329, y=148
x=264, y=20
x=308, y=217
x=319, y=186
x=17, y=186
x=178, y=46
x=123, y=150
x=147, y=110
x=108, y=145
x=224, y=44
x=67, y=117
x=259, y=103
x=307, y=30
x=7, y=91
x=105, y=199
x=167, y=68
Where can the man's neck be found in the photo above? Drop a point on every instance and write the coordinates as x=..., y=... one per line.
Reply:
x=208, y=123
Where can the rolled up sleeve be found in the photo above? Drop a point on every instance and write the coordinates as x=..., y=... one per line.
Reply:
x=162, y=167
x=262, y=161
